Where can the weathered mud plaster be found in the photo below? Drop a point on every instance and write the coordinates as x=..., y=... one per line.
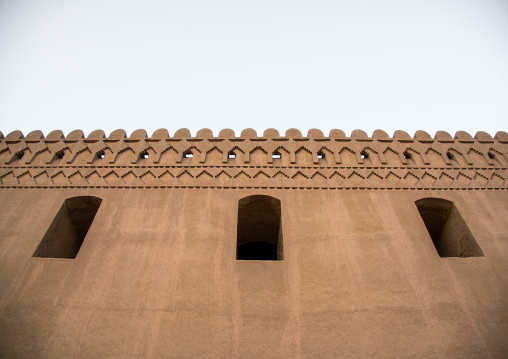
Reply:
x=357, y=275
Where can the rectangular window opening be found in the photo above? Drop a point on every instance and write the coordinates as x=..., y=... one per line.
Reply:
x=448, y=230
x=66, y=234
x=259, y=231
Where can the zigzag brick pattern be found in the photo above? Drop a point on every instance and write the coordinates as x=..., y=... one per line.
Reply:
x=291, y=161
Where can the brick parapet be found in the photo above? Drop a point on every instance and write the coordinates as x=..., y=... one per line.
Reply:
x=314, y=161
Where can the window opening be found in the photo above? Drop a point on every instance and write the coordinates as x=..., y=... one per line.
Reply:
x=407, y=155
x=491, y=155
x=231, y=155
x=276, y=155
x=259, y=232
x=188, y=155
x=449, y=155
x=320, y=155
x=60, y=154
x=101, y=154
x=20, y=154
x=364, y=155
x=449, y=232
x=66, y=234
x=144, y=155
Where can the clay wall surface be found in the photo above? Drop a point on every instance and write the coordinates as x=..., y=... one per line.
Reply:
x=157, y=275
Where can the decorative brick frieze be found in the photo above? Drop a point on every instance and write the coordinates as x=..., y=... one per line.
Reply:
x=270, y=161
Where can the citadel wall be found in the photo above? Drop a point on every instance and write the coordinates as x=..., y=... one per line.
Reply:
x=157, y=274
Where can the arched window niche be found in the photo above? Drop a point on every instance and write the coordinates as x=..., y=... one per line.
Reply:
x=449, y=232
x=66, y=234
x=259, y=233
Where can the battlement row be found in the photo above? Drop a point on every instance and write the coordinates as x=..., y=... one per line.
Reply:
x=250, y=133
x=249, y=150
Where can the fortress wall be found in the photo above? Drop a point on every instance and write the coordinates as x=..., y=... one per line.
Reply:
x=156, y=275
x=316, y=161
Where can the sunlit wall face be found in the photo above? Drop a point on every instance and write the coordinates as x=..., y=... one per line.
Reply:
x=428, y=65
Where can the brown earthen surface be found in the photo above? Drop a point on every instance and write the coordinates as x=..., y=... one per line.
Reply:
x=157, y=274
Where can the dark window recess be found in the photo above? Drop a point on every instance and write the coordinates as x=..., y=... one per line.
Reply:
x=259, y=229
x=65, y=235
x=449, y=232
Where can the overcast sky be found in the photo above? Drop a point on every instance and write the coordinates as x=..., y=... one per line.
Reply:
x=409, y=65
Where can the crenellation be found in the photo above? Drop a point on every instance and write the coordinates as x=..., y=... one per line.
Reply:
x=271, y=133
x=314, y=133
x=74, y=136
x=55, y=136
x=360, y=135
x=381, y=135
x=14, y=136
x=34, y=136
x=483, y=137
x=381, y=156
x=204, y=133
x=443, y=136
x=138, y=135
x=95, y=136
x=500, y=136
x=182, y=133
x=293, y=133
x=338, y=135
x=160, y=134
x=423, y=136
x=249, y=133
x=463, y=136
x=227, y=133
x=402, y=136
x=117, y=135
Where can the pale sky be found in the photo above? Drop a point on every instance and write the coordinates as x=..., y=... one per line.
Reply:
x=409, y=65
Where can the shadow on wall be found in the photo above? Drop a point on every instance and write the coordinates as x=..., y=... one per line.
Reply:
x=449, y=232
x=65, y=235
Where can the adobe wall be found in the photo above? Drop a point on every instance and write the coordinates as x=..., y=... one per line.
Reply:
x=156, y=276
